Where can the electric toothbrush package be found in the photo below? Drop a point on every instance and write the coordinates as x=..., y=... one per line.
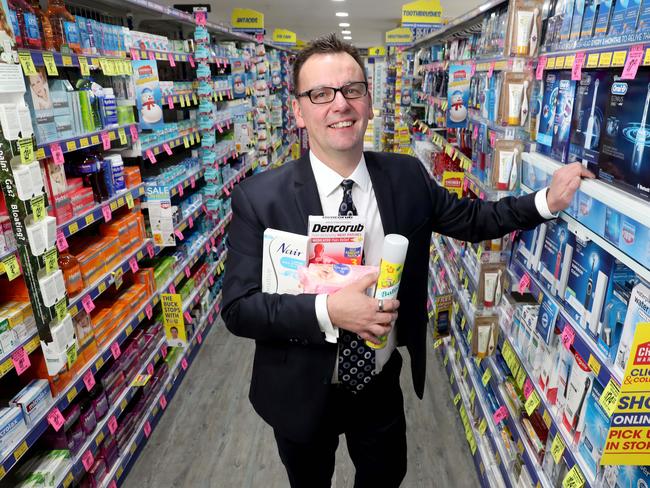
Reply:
x=507, y=160
x=524, y=26
x=555, y=260
x=624, y=153
x=638, y=311
x=596, y=426
x=576, y=393
x=514, y=99
x=563, y=113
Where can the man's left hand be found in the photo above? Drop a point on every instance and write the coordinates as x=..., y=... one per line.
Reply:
x=564, y=185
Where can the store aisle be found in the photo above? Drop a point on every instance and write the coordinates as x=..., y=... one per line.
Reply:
x=211, y=437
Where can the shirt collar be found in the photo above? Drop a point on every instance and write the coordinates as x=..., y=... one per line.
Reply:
x=328, y=180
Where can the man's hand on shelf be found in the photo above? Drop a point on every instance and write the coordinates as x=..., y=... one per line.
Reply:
x=564, y=185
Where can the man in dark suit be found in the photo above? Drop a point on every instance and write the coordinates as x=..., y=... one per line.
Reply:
x=302, y=384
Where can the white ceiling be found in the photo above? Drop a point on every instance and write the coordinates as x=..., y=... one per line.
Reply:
x=369, y=19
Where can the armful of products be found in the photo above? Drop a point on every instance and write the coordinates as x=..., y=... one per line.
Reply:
x=329, y=259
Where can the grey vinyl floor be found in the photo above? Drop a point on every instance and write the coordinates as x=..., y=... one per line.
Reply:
x=211, y=437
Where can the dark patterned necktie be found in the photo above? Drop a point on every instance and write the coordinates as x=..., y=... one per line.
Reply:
x=356, y=360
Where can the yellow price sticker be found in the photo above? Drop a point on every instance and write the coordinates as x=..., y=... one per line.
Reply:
x=50, y=64
x=445, y=361
x=67, y=60
x=73, y=227
x=594, y=364
x=472, y=397
x=532, y=403
x=457, y=399
x=71, y=145
x=462, y=323
x=21, y=450
x=547, y=419
x=83, y=66
x=559, y=62
x=186, y=142
x=72, y=354
x=482, y=427
x=619, y=58
x=437, y=344
x=486, y=377
x=68, y=480
x=94, y=140
x=569, y=60
x=61, y=309
x=451, y=379
x=38, y=208
x=557, y=448
x=51, y=258
x=71, y=394
x=26, y=61
x=646, y=57
x=26, y=149
x=12, y=268
x=101, y=288
x=129, y=200
x=574, y=478
x=117, y=278
x=122, y=134
x=550, y=64
x=592, y=60
x=609, y=398
x=99, y=363
x=521, y=378
x=605, y=60
x=90, y=218
x=83, y=142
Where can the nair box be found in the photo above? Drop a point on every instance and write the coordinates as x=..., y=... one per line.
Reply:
x=336, y=240
x=283, y=254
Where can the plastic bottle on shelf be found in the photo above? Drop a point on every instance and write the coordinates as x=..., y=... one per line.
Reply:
x=71, y=273
x=92, y=174
x=108, y=107
x=64, y=28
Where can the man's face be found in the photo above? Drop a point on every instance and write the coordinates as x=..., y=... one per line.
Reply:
x=334, y=70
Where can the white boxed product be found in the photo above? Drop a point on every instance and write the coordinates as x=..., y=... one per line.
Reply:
x=47, y=467
x=336, y=239
x=34, y=399
x=12, y=428
x=283, y=254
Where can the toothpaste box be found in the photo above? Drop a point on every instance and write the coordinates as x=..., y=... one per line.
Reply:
x=34, y=399
x=336, y=240
x=12, y=428
x=283, y=254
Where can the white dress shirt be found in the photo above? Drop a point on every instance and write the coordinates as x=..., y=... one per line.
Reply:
x=330, y=193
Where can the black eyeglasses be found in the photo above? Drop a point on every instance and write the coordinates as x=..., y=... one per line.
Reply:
x=325, y=94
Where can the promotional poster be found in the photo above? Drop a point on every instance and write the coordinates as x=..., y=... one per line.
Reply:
x=147, y=93
x=458, y=95
x=172, y=309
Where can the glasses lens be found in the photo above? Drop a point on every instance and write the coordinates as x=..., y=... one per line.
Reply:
x=322, y=95
x=354, y=90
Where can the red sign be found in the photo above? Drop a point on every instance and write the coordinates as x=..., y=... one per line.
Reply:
x=642, y=354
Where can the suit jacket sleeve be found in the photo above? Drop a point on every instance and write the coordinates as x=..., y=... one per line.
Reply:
x=476, y=220
x=247, y=311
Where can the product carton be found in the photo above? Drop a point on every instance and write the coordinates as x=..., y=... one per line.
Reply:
x=283, y=254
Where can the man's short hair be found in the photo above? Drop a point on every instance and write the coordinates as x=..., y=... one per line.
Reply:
x=329, y=44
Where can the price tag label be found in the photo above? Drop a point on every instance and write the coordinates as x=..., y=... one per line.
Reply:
x=524, y=283
x=106, y=140
x=559, y=62
x=192, y=181
x=163, y=402
x=178, y=234
x=51, y=259
x=199, y=338
x=26, y=149
x=117, y=278
x=150, y=369
x=170, y=58
x=61, y=309
x=594, y=364
x=592, y=60
x=186, y=142
x=550, y=63
x=88, y=460
x=188, y=317
x=211, y=280
x=50, y=64
x=576, y=69
x=180, y=189
x=20, y=358
x=55, y=419
x=150, y=250
x=482, y=427
x=112, y=424
x=12, y=268
x=83, y=66
x=190, y=221
x=170, y=102
x=618, y=59
x=89, y=380
x=57, y=153
x=147, y=429
x=532, y=403
x=122, y=135
x=129, y=200
x=491, y=69
x=605, y=60
x=38, y=208
x=88, y=304
x=568, y=336
x=500, y=414
x=133, y=264
x=541, y=64
x=163, y=350
x=134, y=132
x=167, y=149
x=184, y=364
x=187, y=271
x=106, y=212
x=574, y=478
x=486, y=377
x=528, y=388
x=150, y=155
x=632, y=62
x=609, y=398
x=148, y=311
x=557, y=448
x=26, y=61
x=115, y=350
x=172, y=289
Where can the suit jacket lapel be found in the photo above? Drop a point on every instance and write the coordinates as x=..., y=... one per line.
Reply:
x=383, y=193
x=306, y=191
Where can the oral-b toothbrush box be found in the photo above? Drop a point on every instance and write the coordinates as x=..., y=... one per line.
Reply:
x=621, y=476
x=589, y=19
x=586, y=289
x=596, y=427
x=618, y=18
x=526, y=247
x=283, y=254
x=631, y=16
x=555, y=262
x=644, y=17
x=576, y=23
x=563, y=113
x=603, y=18
x=592, y=93
x=548, y=312
x=638, y=311
x=615, y=310
x=547, y=116
x=624, y=158
x=565, y=29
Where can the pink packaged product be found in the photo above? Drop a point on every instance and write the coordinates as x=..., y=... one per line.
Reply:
x=95, y=475
x=330, y=278
x=75, y=184
x=109, y=452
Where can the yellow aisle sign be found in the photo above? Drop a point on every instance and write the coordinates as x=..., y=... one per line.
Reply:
x=376, y=51
x=422, y=13
x=247, y=20
x=172, y=309
x=628, y=440
x=402, y=36
x=284, y=37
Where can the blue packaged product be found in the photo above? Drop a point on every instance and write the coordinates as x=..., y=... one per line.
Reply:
x=84, y=38
x=13, y=20
x=618, y=17
x=576, y=23
x=626, y=476
x=555, y=261
x=563, y=113
x=71, y=33
x=644, y=17
x=589, y=19
x=548, y=312
x=624, y=159
x=595, y=424
x=603, y=18
x=32, y=33
x=567, y=17
x=547, y=116
x=631, y=16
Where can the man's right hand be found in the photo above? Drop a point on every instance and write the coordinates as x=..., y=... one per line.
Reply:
x=351, y=309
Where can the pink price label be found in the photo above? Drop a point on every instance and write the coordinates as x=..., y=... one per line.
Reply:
x=493, y=138
x=211, y=317
x=213, y=240
x=61, y=241
x=207, y=247
x=57, y=153
x=163, y=402
x=133, y=264
x=211, y=280
x=188, y=317
x=219, y=129
x=472, y=69
x=491, y=70
x=568, y=336
x=190, y=222
x=192, y=181
x=89, y=380
x=172, y=289
x=227, y=124
x=88, y=460
x=225, y=160
x=112, y=425
x=135, y=54
x=106, y=141
x=150, y=250
x=115, y=350
x=112, y=484
x=167, y=149
x=218, y=308
x=191, y=61
x=88, y=304
x=528, y=388
x=181, y=190
x=179, y=234
x=632, y=63
x=148, y=311
x=20, y=358
x=576, y=69
x=147, y=429
x=200, y=17
x=170, y=102
x=151, y=156
x=524, y=283
x=184, y=364
x=170, y=57
x=541, y=65
x=163, y=350
x=226, y=191
x=199, y=338
x=150, y=369
x=55, y=419
x=187, y=271
x=152, y=56
x=106, y=212
x=476, y=131
x=134, y=132
x=500, y=414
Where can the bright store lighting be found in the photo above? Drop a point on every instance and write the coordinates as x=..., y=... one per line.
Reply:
x=341, y=14
x=346, y=32
x=347, y=38
x=344, y=24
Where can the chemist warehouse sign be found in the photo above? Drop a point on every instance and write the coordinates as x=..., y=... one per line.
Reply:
x=628, y=440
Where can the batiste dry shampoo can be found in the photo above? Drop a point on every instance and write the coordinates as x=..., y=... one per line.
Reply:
x=390, y=273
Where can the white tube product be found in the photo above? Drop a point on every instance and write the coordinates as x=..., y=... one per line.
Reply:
x=515, y=91
x=484, y=333
x=505, y=166
x=390, y=273
x=524, y=25
x=490, y=280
